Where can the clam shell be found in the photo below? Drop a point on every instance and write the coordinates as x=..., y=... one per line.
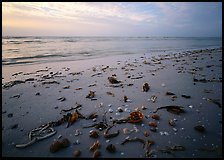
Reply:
x=76, y=153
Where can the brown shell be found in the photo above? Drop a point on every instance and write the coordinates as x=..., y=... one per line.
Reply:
x=94, y=134
x=146, y=134
x=155, y=116
x=55, y=146
x=95, y=146
x=152, y=124
x=76, y=153
x=65, y=142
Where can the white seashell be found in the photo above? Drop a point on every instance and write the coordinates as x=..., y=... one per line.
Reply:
x=94, y=119
x=190, y=106
x=107, y=141
x=110, y=110
x=163, y=85
x=166, y=133
x=101, y=104
x=122, y=153
x=128, y=100
x=109, y=105
x=175, y=130
x=59, y=136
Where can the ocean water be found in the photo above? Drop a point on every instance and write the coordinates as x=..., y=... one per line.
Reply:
x=28, y=50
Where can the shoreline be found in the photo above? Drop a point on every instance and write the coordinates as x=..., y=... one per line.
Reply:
x=164, y=73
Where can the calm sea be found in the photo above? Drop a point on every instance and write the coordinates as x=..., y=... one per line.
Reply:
x=23, y=50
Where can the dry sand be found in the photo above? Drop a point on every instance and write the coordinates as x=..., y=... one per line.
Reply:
x=166, y=73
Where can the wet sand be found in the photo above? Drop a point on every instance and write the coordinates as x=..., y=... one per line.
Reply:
x=30, y=102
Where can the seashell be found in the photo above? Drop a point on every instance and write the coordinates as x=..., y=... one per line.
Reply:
x=125, y=98
x=55, y=146
x=113, y=80
x=120, y=109
x=93, y=134
x=91, y=94
x=126, y=131
x=127, y=110
x=171, y=122
x=76, y=153
x=199, y=128
x=95, y=146
x=65, y=142
x=117, y=114
x=155, y=116
x=110, y=110
x=146, y=134
x=145, y=87
x=143, y=108
x=163, y=84
x=96, y=154
x=174, y=129
x=94, y=119
x=111, y=148
x=152, y=124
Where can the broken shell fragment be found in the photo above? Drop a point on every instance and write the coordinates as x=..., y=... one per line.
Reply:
x=113, y=80
x=155, y=116
x=146, y=134
x=125, y=98
x=152, y=124
x=111, y=148
x=95, y=146
x=91, y=94
x=93, y=134
x=171, y=122
x=199, y=128
x=76, y=153
x=145, y=87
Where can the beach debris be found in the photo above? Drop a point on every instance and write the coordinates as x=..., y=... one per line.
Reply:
x=107, y=135
x=92, y=115
x=10, y=115
x=77, y=132
x=111, y=148
x=127, y=139
x=93, y=134
x=125, y=98
x=135, y=117
x=110, y=93
x=72, y=108
x=185, y=96
x=170, y=93
x=171, y=122
x=72, y=118
x=15, y=96
x=57, y=145
x=66, y=87
x=146, y=133
x=62, y=99
x=113, y=80
x=91, y=94
x=50, y=82
x=76, y=153
x=110, y=110
x=152, y=124
x=153, y=98
x=172, y=109
x=95, y=146
x=126, y=131
x=199, y=128
x=145, y=87
x=37, y=134
x=173, y=97
x=155, y=116
x=215, y=101
x=119, y=109
x=96, y=153
x=150, y=154
x=8, y=85
x=190, y=106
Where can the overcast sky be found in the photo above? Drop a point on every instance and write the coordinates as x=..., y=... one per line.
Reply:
x=112, y=19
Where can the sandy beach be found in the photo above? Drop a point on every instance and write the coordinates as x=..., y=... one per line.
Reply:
x=36, y=94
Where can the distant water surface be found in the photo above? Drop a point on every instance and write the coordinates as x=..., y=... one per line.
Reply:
x=23, y=50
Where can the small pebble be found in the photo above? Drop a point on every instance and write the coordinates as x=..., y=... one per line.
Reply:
x=122, y=153
x=190, y=106
x=110, y=110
